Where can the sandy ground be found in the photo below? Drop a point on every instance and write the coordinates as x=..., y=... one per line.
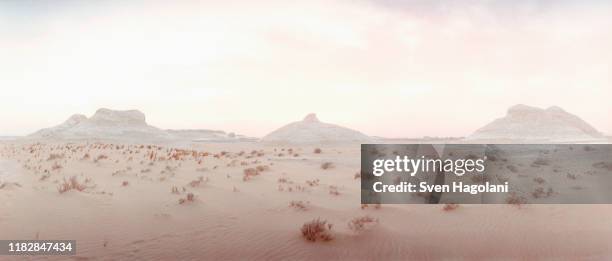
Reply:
x=127, y=208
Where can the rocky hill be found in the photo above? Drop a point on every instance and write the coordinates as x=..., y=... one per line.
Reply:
x=534, y=124
x=311, y=130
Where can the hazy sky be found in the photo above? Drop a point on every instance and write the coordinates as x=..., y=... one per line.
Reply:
x=386, y=68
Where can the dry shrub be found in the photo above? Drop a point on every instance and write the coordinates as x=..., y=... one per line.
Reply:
x=357, y=175
x=360, y=224
x=327, y=165
x=249, y=173
x=54, y=156
x=540, y=162
x=317, y=151
x=197, y=182
x=313, y=183
x=540, y=193
x=175, y=190
x=333, y=190
x=44, y=177
x=376, y=206
x=262, y=168
x=190, y=198
x=70, y=184
x=603, y=165
x=450, y=207
x=317, y=229
x=56, y=166
x=100, y=157
x=515, y=199
x=512, y=168
x=125, y=183
x=299, y=205
x=9, y=185
x=539, y=180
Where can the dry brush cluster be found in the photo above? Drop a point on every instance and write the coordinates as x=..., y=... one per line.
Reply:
x=317, y=230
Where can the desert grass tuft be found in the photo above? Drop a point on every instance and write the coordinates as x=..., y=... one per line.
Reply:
x=317, y=229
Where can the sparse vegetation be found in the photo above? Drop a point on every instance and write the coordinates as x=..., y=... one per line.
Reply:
x=333, y=190
x=197, y=182
x=299, y=205
x=312, y=183
x=317, y=229
x=512, y=168
x=249, y=173
x=603, y=165
x=100, y=157
x=515, y=199
x=70, y=184
x=56, y=166
x=539, y=180
x=360, y=224
x=327, y=165
x=539, y=192
x=540, y=162
x=55, y=156
x=376, y=206
x=450, y=207
x=7, y=185
x=190, y=198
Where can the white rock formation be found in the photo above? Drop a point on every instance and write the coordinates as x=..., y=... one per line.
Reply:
x=127, y=125
x=105, y=123
x=311, y=130
x=53, y=131
x=529, y=123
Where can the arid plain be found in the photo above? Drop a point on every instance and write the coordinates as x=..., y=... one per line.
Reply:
x=227, y=201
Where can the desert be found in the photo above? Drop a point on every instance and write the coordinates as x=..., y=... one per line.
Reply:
x=249, y=130
x=173, y=199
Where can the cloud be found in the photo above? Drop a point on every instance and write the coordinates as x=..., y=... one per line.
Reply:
x=277, y=60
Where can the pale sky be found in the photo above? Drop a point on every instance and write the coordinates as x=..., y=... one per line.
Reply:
x=386, y=68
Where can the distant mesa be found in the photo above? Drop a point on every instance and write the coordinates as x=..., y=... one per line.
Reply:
x=528, y=123
x=311, y=130
x=107, y=117
x=125, y=125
